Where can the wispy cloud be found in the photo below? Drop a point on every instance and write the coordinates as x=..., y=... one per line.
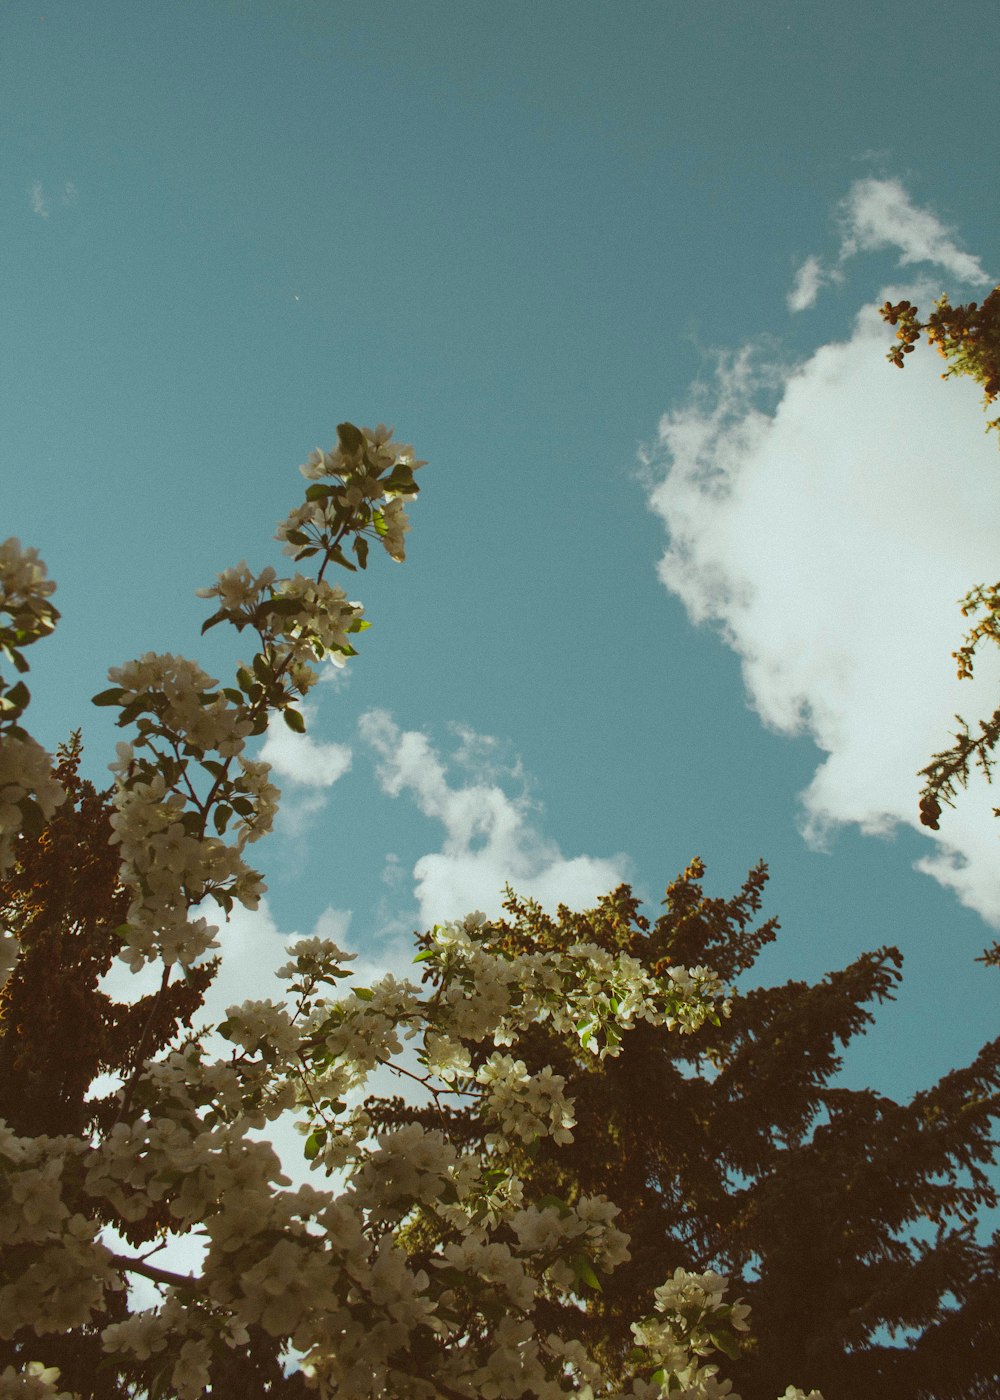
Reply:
x=489, y=837
x=829, y=540
x=878, y=214
x=808, y=281
x=41, y=200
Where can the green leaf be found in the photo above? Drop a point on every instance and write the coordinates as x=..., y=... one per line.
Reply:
x=318, y=491
x=724, y=1342
x=361, y=550
x=33, y=819
x=294, y=720
x=212, y=621
x=18, y=696
x=261, y=669
x=427, y=953
x=108, y=697
x=400, y=477
x=364, y=993
x=349, y=437
x=220, y=817
x=584, y=1271
x=339, y=557
x=282, y=606
x=314, y=1142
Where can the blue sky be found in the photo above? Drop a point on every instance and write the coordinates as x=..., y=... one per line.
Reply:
x=682, y=580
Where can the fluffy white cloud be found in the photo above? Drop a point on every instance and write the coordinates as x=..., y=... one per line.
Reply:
x=303, y=759
x=489, y=840
x=829, y=539
x=312, y=765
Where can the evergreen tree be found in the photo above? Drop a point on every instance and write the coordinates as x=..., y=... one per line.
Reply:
x=733, y=1148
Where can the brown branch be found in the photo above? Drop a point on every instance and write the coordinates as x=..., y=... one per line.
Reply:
x=151, y=1271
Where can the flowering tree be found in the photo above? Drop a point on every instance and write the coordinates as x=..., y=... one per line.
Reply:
x=316, y=1282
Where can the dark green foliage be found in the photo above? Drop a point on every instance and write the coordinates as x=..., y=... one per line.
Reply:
x=733, y=1149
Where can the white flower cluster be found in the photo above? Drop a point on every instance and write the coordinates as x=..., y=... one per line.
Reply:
x=25, y=777
x=691, y=1315
x=526, y=1106
x=34, y=1382
x=320, y=622
x=24, y=584
x=60, y=1269
x=171, y=867
x=371, y=476
x=28, y=791
x=239, y=591
x=361, y=458
x=585, y=992
x=173, y=694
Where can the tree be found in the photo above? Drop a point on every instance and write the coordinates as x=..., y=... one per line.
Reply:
x=64, y=902
x=968, y=337
x=730, y=1149
x=321, y=1274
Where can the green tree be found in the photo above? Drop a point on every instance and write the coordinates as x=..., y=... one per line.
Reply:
x=733, y=1148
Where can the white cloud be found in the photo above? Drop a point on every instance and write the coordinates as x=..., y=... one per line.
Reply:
x=830, y=540
x=489, y=840
x=877, y=214
x=39, y=204
x=880, y=214
x=312, y=765
x=303, y=759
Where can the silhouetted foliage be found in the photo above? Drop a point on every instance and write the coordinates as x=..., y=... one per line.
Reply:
x=968, y=337
x=733, y=1149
